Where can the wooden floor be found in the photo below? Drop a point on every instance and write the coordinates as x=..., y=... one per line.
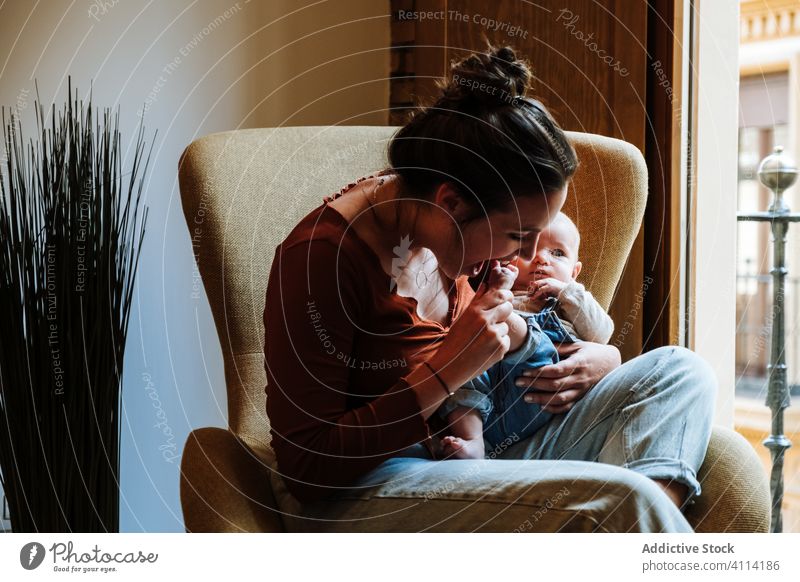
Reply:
x=752, y=419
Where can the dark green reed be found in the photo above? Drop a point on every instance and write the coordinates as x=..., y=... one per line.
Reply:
x=71, y=231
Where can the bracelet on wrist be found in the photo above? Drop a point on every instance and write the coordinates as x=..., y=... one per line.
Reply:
x=442, y=382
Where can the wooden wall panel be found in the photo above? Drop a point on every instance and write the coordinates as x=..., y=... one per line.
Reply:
x=563, y=45
x=662, y=234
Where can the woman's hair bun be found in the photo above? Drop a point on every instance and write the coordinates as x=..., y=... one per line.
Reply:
x=484, y=136
x=495, y=77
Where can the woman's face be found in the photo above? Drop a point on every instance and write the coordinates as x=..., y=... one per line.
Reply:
x=498, y=235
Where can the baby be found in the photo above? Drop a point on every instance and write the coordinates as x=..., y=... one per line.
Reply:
x=550, y=307
x=551, y=274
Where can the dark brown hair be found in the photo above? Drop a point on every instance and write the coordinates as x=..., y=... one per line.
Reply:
x=484, y=136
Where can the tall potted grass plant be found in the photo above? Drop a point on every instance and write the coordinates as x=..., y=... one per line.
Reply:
x=71, y=231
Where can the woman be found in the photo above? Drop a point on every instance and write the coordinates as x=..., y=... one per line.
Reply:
x=371, y=324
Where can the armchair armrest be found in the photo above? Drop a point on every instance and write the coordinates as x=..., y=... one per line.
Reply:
x=735, y=495
x=225, y=484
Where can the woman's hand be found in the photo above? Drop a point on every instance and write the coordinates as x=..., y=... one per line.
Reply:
x=559, y=386
x=477, y=339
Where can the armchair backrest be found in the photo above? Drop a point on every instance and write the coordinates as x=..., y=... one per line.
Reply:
x=243, y=191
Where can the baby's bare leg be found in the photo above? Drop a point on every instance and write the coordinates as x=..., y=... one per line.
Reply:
x=467, y=439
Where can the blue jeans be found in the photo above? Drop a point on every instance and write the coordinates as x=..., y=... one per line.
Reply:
x=493, y=394
x=648, y=419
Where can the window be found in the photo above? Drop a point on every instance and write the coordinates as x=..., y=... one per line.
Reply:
x=763, y=124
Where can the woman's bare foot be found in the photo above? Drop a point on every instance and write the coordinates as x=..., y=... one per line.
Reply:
x=456, y=447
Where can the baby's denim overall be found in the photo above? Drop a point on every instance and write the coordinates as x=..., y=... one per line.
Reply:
x=494, y=395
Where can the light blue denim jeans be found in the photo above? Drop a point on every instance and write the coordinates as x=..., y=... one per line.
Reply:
x=590, y=469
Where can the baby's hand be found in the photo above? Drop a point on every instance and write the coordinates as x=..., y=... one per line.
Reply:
x=544, y=288
x=501, y=277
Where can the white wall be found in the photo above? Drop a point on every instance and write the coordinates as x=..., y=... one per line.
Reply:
x=200, y=67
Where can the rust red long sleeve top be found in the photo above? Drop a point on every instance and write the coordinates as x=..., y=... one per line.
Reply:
x=339, y=343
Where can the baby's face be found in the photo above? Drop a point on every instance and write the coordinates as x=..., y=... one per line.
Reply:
x=556, y=256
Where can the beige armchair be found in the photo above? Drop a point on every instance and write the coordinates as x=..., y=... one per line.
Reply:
x=243, y=191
